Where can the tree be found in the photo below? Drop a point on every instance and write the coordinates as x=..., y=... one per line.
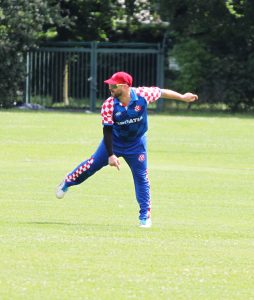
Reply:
x=112, y=20
x=92, y=20
x=213, y=42
x=22, y=23
x=138, y=21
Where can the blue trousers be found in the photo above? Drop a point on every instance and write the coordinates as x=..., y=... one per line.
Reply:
x=136, y=157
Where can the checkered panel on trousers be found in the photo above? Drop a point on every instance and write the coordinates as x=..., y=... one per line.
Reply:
x=151, y=94
x=80, y=170
x=107, y=111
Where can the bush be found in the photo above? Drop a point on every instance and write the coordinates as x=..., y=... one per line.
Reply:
x=228, y=79
x=21, y=24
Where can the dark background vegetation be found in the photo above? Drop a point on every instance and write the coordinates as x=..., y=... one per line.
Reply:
x=211, y=42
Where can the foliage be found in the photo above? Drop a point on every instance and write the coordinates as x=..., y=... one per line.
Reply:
x=213, y=43
x=92, y=20
x=21, y=24
x=138, y=20
x=112, y=20
x=192, y=57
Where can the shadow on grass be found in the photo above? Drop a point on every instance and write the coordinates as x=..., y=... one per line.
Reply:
x=89, y=226
x=94, y=227
x=63, y=223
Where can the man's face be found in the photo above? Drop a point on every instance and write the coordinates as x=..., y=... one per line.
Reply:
x=117, y=90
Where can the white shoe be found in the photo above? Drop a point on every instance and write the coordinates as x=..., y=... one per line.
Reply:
x=145, y=223
x=61, y=190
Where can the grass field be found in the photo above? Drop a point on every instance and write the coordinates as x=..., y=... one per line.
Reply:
x=88, y=245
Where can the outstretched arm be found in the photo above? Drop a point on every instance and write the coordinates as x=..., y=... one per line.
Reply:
x=169, y=94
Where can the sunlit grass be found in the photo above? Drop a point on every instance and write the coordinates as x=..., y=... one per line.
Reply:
x=88, y=245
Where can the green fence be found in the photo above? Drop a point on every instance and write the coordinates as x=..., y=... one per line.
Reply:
x=73, y=73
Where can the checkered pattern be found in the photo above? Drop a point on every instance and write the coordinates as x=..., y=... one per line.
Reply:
x=72, y=177
x=151, y=94
x=107, y=111
x=149, y=211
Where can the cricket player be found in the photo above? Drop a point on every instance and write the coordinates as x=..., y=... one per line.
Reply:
x=124, y=120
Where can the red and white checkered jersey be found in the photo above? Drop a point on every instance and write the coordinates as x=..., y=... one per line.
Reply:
x=107, y=111
x=150, y=94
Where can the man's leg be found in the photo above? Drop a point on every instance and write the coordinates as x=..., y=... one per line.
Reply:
x=84, y=170
x=138, y=166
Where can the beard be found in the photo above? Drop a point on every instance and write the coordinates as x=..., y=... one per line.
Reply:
x=116, y=94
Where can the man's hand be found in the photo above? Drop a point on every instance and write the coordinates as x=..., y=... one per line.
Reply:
x=113, y=161
x=189, y=97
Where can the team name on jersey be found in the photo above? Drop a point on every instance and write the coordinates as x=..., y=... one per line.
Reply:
x=130, y=121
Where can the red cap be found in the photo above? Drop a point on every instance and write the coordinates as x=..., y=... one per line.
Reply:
x=120, y=78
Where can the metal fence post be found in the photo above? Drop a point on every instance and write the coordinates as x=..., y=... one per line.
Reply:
x=27, y=91
x=160, y=74
x=93, y=76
